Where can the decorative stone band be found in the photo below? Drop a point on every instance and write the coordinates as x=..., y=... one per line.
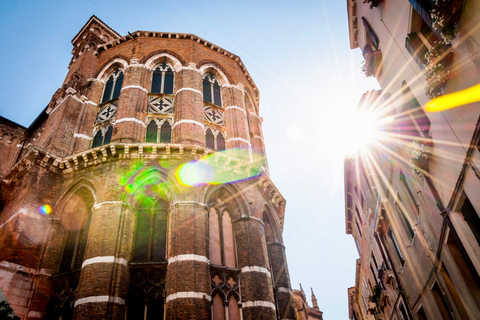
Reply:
x=265, y=304
x=98, y=205
x=284, y=290
x=105, y=259
x=187, y=121
x=130, y=120
x=91, y=102
x=249, y=218
x=179, y=203
x=239, y=139
x=188, y=257
x=190, y=294
x=79, y=135
x=256, y=269
x=134, y=87
x=96, y=299
x=258, y=137
x=35, y=314
x=235, y=107
x=188, y=89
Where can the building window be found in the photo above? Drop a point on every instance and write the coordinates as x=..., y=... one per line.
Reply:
x=163, y=79
x=403, y=312
x=222, y=248
x=146, y=295
x=214, y=142
x=395, y=245
x=471, y=217
x=103, y=136
x=211, y=90
x=151, y=231
x=113, y=86
x=441, y=301
x=76, y=219
x=158, y=132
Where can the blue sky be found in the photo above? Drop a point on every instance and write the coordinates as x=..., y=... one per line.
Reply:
x=297, y=53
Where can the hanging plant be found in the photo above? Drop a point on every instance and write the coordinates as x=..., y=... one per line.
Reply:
x=364, y=67
x=420, y=152
x=441, y=14
x=373, y=3
x=436, y=70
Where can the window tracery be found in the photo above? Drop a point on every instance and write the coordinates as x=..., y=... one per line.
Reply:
x=214, y=139
x=102, y=136
x=211, y=90
x=146, y=295
x=163, y=79
x=159, y=131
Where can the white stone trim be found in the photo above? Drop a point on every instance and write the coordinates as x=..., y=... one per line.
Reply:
x=258, y=137
x=35, y=314
x=188, y=257
x=187, y=121
x=255, y=269
x=91, y=102
x=97, y=205
x=50, y=111
x=79, y=135
x=134, y=87
x=239, y=139
x=152, y=61
x=19, y=146
x=190, y=294
x=285, y=290
x=188, y=202
x=189, y=89
x=235, y=107
x=130, y=120
x=105, y=259
x=96, y=299
x=266, y=304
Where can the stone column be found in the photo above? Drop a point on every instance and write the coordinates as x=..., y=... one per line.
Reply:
x=132, y=105
x=188, y=273
x=258, y=144
x=236, y=121
x=106, y=260
x=255, y=277
x=189, y=111
x=281, y=282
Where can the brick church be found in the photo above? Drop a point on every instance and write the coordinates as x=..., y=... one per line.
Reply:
x=142, y=191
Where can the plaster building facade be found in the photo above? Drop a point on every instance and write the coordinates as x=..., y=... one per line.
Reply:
x=124, y=233
x=412, y=197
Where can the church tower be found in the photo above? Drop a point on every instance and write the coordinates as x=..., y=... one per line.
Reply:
x=142, y=190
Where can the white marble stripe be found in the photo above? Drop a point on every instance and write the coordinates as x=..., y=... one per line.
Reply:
x=96, y=299
x=91, y=102
x=258, y=137
x=187, y=121
x=249, y=304
x=130, y=120
x=188, y=257
x=256, y=269
x=190, y=294
x=283, y=289
x=79, y=135
x=134, y=87
x=188, y=89
x=188, y=202
x=235, y=107
x=105, y=259
x=97, y=205
x=239, y=139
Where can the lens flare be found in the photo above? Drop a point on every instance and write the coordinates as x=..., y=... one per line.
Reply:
x=455, y=99
x=219, y=168
x=361, y=130
x=45, y=209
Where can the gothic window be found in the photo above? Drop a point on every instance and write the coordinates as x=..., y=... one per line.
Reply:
x=146, y=296
x=159, y=134
x=225, y=295
x=214, y=141
x=162, y=79
x=220, y=142
x=151, y=231
x=76, y=221
x=103, y=136
x=211, y=90
x=113, y=86
x=222, y=248
x=209, y=139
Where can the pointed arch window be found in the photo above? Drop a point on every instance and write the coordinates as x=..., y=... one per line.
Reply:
x=211, y=90
x=76, y=220
x=113, y=86
x=103, y=136
x=163, y=79
x=150, y=231
x=159, y=134
x=209, y=139
x=222, y=247
x=220, y=142
x=214, y=141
